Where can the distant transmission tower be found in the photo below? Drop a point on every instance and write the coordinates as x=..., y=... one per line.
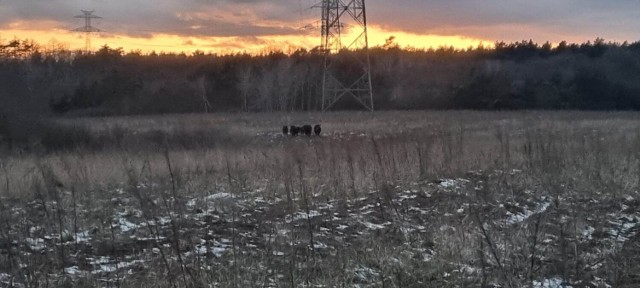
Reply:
x=87, y=29
x=341, y=76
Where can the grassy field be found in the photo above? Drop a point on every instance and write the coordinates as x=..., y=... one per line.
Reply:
x=388, y=199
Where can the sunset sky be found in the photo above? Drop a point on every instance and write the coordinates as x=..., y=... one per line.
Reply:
x=258, y=25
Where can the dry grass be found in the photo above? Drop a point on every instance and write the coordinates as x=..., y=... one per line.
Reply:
x=455, y=143
x=505, y=163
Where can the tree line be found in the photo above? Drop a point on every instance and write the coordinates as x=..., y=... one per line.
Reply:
x=595, y=75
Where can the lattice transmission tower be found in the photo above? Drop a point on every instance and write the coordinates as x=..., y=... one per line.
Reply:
x=87, y=29
x=345, y=20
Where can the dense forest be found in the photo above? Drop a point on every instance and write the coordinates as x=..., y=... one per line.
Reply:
x=595, y=75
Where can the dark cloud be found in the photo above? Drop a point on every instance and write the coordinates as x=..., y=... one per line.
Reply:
x=142, y=18
x=512, y=20
x=508, y=20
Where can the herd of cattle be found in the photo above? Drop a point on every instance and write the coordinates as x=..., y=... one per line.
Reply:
x=304, y=130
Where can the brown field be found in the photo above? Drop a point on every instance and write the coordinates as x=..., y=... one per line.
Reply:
x=386, y=199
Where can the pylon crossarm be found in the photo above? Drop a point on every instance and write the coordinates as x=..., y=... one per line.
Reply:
x=357, y=17
x=350, y=87
x=362, y=102
x=353, y=95
x=347, y=90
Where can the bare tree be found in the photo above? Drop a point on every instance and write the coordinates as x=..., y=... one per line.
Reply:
x=245, y=86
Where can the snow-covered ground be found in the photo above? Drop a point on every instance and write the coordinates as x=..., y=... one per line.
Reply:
x=420, y=227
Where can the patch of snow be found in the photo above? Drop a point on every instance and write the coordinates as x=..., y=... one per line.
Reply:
x=36, y=244
x=427, y=255
x=407, y=230
x=367, y=207
x=594, y=267
x=366, y=274
x=466, y=269
x=625, y=227
x=34, y=229
x=327, y=206
x=125, y=225
x=551, y=283
x=599, y=282
x=201, y=250
x=217, y=196
x=220, y=248
x=6, y=280
x=105, y=265
x=101, y=260
x=408, y=197
x=148, y=239
x=372, y=226
x=83, y=237
x=521, y=217
x=588, y=232
x=163, y=220
x=452, y=183
x=319, y=245
x=304, y=215
x=73, y=270
x=218, y=251
x=416, y=209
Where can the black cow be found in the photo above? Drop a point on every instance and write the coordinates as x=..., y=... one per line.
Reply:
x=294, y=130
x=307, y=129
x=285, y=130
x=317, y=129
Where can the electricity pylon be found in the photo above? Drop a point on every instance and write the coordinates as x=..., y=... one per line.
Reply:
x=87, y=29
x=339, y=80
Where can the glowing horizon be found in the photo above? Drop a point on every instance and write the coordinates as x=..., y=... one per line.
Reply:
x=168, y=43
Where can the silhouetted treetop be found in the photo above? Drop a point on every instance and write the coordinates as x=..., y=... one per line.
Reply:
x=519, y=75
